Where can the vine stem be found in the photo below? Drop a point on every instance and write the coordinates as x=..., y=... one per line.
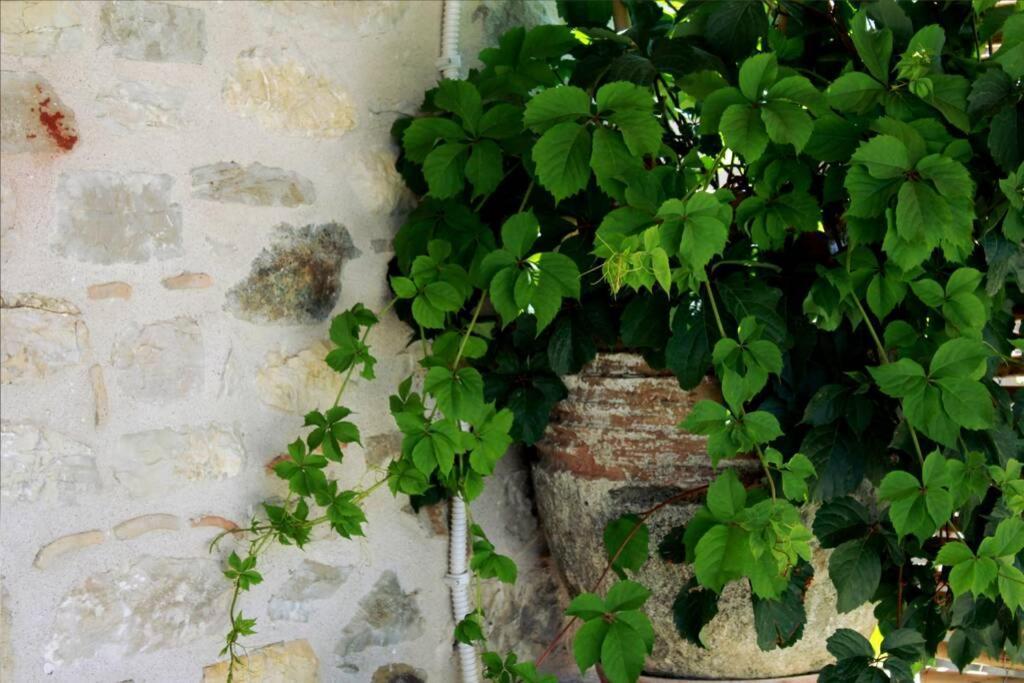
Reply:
x=721, y=331
x=682, y=495
x=362, y=340
x=526, y=196
x=884, y=358
x=707, y=176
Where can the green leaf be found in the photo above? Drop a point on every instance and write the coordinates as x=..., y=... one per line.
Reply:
x=735, y=27
x=854, y=92
x=726, y=496
x=780, y=623
x=419, y=138
x=556, y=105
x=462, y=99
x=623, y=652
x=884, y=156
x=586, y=606
x=1011, y=586
x=787, y=124
x=460, y=395
x=743, y=131
x=626, y=595
x=444, y=169
x=846, y=643
x=501, y=121
x=562, y=156
x=518, y=233
x=692, y=610
x=899, y=379
x=919, y=209
x=856, y=570
x=722, y=555
x=611, y=160
x=626, y=539
x=967, y=403
x=873, y=46
x=756, y=74
x=483, y=169
x=715, y=104
x=959, y=358
x=586, y=646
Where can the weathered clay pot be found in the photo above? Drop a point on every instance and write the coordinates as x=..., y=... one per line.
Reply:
x=613, y=447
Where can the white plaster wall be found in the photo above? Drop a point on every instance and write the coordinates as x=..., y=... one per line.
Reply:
x=382, y=55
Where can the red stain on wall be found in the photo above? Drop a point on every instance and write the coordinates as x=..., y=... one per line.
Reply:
x=52, y=120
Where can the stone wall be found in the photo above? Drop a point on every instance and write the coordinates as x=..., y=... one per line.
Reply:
x=189, y=190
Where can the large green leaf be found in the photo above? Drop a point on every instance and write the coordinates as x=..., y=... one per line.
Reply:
x=556, y=105
x=562, y=156
x=743, y=130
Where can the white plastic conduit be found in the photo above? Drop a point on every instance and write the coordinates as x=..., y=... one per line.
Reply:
x=449, y=64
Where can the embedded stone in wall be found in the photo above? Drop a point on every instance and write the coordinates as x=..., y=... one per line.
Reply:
x=287, y=95
x=40, y=465
x=109, y=217
x=8, y=205
x=311, y=581
x=380, y=185
x=296, y=280
x=144, y=524
x=39, y=335
x=154, y=31
x=161, y=362
x=387, y=615
x=255, y=184
x=188, y=281
x=495, y=17
x=149, y=462
x=333, y=19
x=32, y=117
x=110, y=290
x=399, y=673
x=39, y=29
x=6, y=652
x=130, y=105
x=49, y=553
x=290, y=662
x=298, y=383
x=155, y=603
x=382, y=448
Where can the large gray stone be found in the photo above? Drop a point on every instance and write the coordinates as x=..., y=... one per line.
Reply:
x=399, y=673
x=291, y=662
x=255, y=184
x=150, y=461
x=298, y=279
x=110, y=217
x=155, y=603
x=387, y=615
x=43, y=466
x=39, y=336
x=33, y=119
x=154, y=31
x=161, y=362
x=287, y=95
x=40, y=28
x=311, y=581
x=131, y=105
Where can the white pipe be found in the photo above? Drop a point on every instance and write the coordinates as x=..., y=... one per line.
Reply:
x=458, y=577
x=458, y=580
x=450, y=61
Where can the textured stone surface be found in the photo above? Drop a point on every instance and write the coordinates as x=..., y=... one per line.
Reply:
x=110, y=290
x=152, y=460
x=131, y=105
x=154, y=31
x=297, y=382
x=297, y=279
x=287, y=95
x=291, y=662
x=495, y=17
x=110, y=217
x=37, y=29
x=39, y=336
x=143, y=524
x=101, y=405
x=608, y=454
x=160, y=362
x=155, y=603
x=8, y=205
x=188, y=281
x=255, y=184
x=310, y=581
x=399, y=673
x=6, y=652
x=42, y=465
x=53, y=550
x=387, y=615
x=379, y=185
x=32, y=117
x=382, y=448
x=332, y=18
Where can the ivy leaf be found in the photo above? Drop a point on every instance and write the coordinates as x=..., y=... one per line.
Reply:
x=873, y=46
x=919, y=209
x=462, y=99
x=854, y=92
x=884, y=156
x=918, y=507
x=786, y=123
x=626, y=539
x=491, y=440
x=856, y=570
x=483, y=168
x=780, y=623
x=459, y=394
x=723, y=554
x=629, y=107
x=692, y=610
x=553, y=106
x=756, y=74
x=623, y=652
x=743, y=130
x=419, y=138
x=562, y=156
x=586, y=645
x=688, y=351
x=726, y=497
x=444, y=169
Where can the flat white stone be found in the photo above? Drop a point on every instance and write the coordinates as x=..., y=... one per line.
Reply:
x=33, y=119
x=286, y=95
x=156, y=603
x=129, y=105
x=154, y=31
x=255, y=184
x=309, y=582
x=42, y=466
x=387, y=615
x=291, y=662
x=149, y=462
x=38, y=337
x=298, y=383
x=162, y=362
x=379, y=185
x=110, y=217
x=40, y=28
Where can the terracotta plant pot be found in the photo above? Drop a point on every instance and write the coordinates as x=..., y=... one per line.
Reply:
x=613, y=447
